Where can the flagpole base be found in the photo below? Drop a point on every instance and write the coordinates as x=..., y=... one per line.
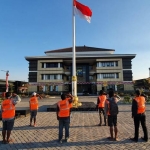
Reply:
x=76, y=104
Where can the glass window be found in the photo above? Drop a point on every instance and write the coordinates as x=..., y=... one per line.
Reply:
x=117, y=75
x=51, y=65
x=116, y=63
x=42, y=76
x=90, y=67
x=108, y=75
x=80, y=71
x=90, y=77
x=42, y=65
x=55, y=76
x=51, y=87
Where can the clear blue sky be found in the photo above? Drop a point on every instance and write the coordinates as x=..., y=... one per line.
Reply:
x=31, y=27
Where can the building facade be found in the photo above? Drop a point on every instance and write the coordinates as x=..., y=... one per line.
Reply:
x=96, y=69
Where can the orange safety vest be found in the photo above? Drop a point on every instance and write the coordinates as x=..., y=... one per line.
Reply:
x=64, y=108
x=33, y=103
x=8, y=109
x=102, y=100
x=141, y=104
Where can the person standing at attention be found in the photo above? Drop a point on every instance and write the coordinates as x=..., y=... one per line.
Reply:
x=112, y=112
x=138, y=115
x=8, y=115
x=100, y=105
x=34, y=107
x=63, y=115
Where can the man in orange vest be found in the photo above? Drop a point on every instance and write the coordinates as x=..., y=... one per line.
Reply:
x=8, y=115
x=138, y=114
x=63, y=115
x=111, y=108
x=34, y=107
x=100, y=105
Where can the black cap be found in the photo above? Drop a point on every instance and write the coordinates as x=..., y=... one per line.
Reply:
x=137, y=92
x=8, y=94
x=63, y=96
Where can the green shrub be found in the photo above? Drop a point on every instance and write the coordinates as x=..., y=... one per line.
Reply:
x=127, y=99
x=148, y=99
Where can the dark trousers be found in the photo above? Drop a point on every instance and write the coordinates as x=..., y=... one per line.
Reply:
x=102, y=113
x=140, y=118
x=64, y=123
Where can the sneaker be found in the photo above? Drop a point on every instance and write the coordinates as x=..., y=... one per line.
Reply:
x=60, y=141
x=146, y=140
x=110, y=138
x=67, y=139
x=133, y=139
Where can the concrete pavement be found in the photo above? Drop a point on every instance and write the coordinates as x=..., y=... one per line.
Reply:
x=84, y=132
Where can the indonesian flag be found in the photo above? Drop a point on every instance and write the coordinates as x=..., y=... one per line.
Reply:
x=84, y=11
x=7, y=85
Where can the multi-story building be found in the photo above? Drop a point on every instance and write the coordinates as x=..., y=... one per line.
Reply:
x=96, y=69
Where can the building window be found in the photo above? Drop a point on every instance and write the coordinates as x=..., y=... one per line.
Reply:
x=42, y=76
x=107, y=76
x=42, y=65
x=51, y=76
x=117, y=75
x=107, y=64
x=50, y=65
x=91, y=78
x=90, y=67
x=79, y=71
x=116, y=63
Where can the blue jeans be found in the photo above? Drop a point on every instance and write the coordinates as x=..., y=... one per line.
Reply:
x=64, y=123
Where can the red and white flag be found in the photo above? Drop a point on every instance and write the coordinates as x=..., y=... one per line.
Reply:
x=83, y=11
x=7, y=85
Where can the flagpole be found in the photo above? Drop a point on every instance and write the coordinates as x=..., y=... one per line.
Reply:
x=74, y=78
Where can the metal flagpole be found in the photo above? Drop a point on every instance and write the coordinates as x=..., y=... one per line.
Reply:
x=74, y=77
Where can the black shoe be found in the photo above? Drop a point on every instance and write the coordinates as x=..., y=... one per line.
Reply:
x=60, y=141
x=99, y=124
x=146, y=140
x=133, y=139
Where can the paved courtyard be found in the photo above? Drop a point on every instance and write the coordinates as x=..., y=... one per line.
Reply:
x=84, y=132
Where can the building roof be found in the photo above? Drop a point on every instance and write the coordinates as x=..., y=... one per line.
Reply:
x=79, y=49
x=81, y=52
